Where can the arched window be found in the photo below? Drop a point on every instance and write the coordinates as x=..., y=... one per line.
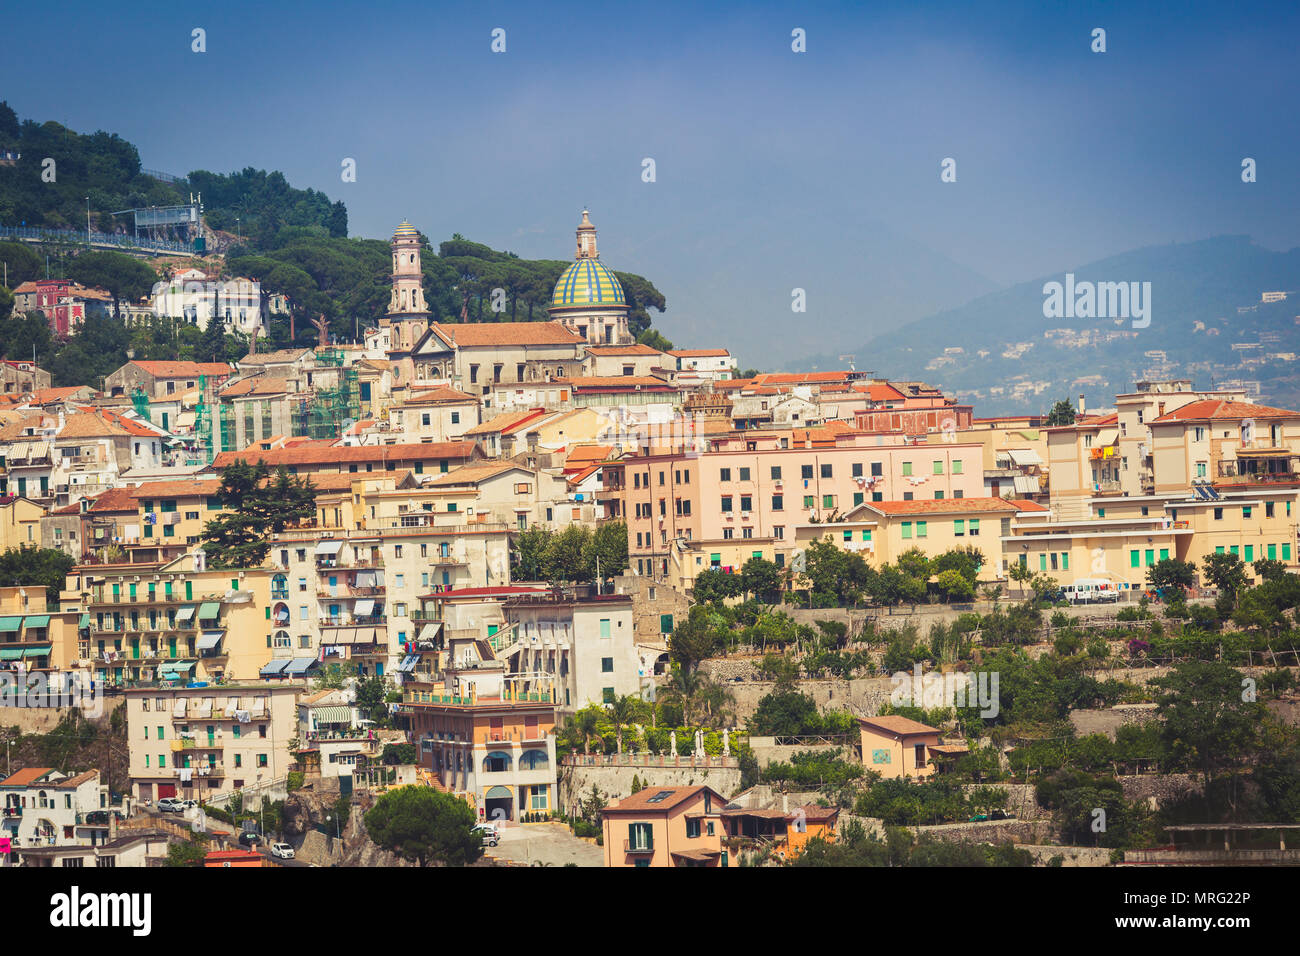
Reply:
x=497, y=761
x=534, y=760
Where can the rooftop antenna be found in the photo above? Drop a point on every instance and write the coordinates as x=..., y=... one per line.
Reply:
x=849, y=359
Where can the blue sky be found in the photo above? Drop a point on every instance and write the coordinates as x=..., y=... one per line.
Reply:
x=775, y=170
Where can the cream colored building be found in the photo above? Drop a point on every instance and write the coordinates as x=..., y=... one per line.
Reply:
x=204, y=742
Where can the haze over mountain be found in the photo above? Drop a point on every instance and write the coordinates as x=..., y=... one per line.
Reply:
x=1001, y=352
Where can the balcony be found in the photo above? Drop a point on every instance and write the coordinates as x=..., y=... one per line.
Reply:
x=638, y=846
x=13, y=813
x=201, y=770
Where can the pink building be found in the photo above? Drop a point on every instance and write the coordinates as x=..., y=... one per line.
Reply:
x=752, y=491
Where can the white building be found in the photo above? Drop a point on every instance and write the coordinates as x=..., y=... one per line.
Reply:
x=195, y=297
x=46, y=808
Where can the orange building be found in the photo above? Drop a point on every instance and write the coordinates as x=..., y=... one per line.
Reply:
x=895, y=746
x=666, y=826
x=224, y=858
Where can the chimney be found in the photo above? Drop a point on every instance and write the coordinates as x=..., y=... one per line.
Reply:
x=1082, y=404
x=785, y=803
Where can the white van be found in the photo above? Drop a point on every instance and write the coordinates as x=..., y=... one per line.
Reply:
x=1091, y=591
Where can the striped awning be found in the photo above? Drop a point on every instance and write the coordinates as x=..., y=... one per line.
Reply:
x=37, y=650
x=328, y=547
x=274, y=668
x=332, y=715
x=85, y=621
x=184, y=614
x=176, y=669
x=364, y=608
x=210, y=640
x=209, y=610
x=430, y=631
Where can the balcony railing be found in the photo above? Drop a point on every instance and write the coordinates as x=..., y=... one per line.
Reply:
x=638, y=846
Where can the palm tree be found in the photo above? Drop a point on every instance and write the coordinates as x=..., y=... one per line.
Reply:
x=682, y=687
x=622, y=711
x=586, y=722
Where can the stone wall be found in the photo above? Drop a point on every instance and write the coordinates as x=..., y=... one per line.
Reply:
x=41, y=720
x=1157, y=789
x=615, y=783
x=766, y=750
x=1070, y=855
x=992, y=831
x=1108, y=720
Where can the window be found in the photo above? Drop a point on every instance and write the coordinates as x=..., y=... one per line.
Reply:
x=810, y=501
x=744, y=474
x=959, y=528
x=724, y=474
x=974, y=527
x=956, y=467
x=938, y=468
x=857, y=498
x=921, y=529
x=857, y=469
x=746, y=503
x=1245, y=511
x=907, y=468
x=938, y=496
x=907, y=530
x=607, y=665
x=776, y=472
x=726, y=503
x=692, y=828
x=778, y=502
x=1218, y=514
x=826, y=471
x=806, y=471
x=828, y=501
x=604, y=627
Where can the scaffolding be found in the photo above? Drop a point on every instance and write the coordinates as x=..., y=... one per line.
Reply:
x=140, y=399
x=203, y=420
x=324, y=415
x=227, y=419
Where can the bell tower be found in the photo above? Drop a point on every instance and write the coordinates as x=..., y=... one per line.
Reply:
x=408, y=313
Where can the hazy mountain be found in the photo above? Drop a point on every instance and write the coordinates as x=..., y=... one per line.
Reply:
x=1205, y=297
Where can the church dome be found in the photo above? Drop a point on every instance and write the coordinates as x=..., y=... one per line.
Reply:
x=406, y=231
x=587, y=283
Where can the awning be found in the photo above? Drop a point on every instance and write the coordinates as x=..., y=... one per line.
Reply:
x=299, y=666
x=364, y=608
x=365, y=579
x=209, y=610
x=10, y=623
x=328, y=547
x=37, y=650
x=176, y=669
x=185, y=613
x=185, y=420
x=274, y=668
x=39, y=449
x=209, y=640
x=408, y=663
x=1025, y=484
x=332, y=715
x=18, y=450
x=430, y=631
x=11, y=653
x=1107, y=436
x=37, y=620
x=85, y=621
x=1025, y=456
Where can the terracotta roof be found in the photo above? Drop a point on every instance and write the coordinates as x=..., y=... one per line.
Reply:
x=438, y=396
x=508, y=422
x=697, y=353
x=183, y=369
x=941, y=506
x=588, y=453
x=176, y=489
x=640, y=802
x=130, y=424
x=579, y=477
x=49, y=396
x=621, y=382
x=114, y=499
x=800, y=378
x=898, y=725
x=256, y=385
x=314, y=454
x=26, y=776
x=1215, y=409
x=883, y=393
x=71, y=783
x=1024, y=504
x=481, y=334
x=474, y=473
x=89, y=425
x=273, y=358
x=17, y=430
x=612, y=351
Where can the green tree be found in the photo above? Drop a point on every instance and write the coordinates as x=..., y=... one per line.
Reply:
x=762, y=579
x=694, y=639
x=425, y=825
x=1062, y=413
x=530, y=553
x=188, y=853
x=1207, y=723
x=121, y=276
x=1172, y=575
x=1226, y=572
x=255, y=507
x=46, y=567
x=1021, y=574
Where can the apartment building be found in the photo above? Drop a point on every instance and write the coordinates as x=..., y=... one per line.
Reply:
x=205, y=742
x=332, y=743
x=584, y=646
x=45, y=808
x=487, y=741
x=612, y=360
x=740, y=497
x=1226, y=443
x=326, y=456
x=34, y=637
x=168, y=621
x=666, y=826
x=165, y=380
x=435, y=414
x=510, y=494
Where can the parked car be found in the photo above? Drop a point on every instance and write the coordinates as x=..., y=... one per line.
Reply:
x=103, y=816
x=488, y=831
x=171, y=805
x=249, y=838
x=282, y=850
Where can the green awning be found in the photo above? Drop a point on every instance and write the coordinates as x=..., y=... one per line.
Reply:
x=209, y=610
x=167, y=671
x=37, y=650
x=11, y=653
x=85, y=621
x=38, y=620
x=10, y=623
x=332, y=715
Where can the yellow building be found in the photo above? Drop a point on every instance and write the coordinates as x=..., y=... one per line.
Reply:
x=895, y=746
x=20, y=524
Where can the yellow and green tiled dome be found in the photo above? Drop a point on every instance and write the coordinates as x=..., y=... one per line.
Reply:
x=588, y=283
x=406, y=230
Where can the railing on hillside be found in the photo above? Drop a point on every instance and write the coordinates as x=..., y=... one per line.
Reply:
x=650, y=760
x=120, y=240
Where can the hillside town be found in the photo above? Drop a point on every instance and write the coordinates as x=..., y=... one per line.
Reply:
x=557, y=576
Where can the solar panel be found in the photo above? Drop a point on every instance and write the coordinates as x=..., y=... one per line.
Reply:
x=661, y=796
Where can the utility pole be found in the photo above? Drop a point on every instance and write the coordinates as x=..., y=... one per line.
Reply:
x=87, y=222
